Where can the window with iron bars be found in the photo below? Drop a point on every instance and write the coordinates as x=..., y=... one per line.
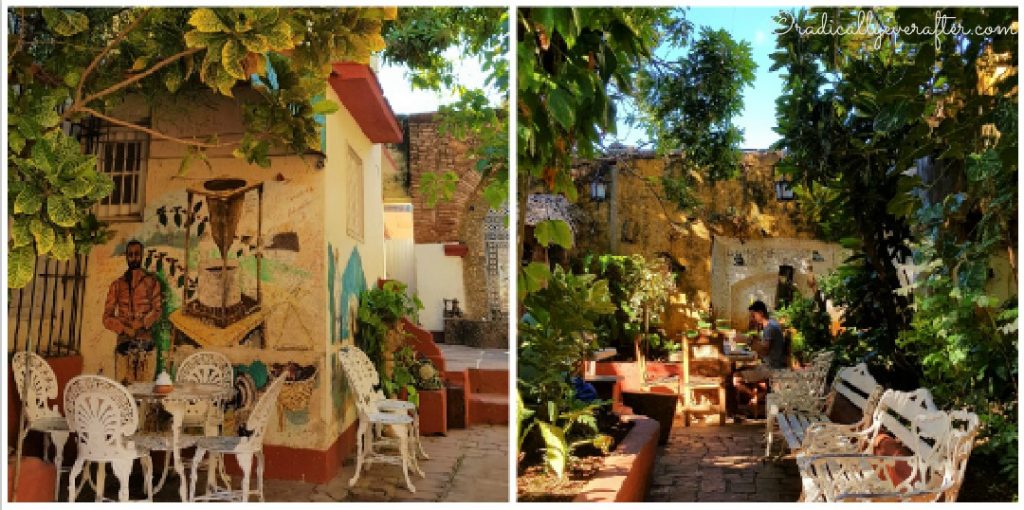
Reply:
x=122, y=153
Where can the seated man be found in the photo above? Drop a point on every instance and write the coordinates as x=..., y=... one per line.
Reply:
x=771, y=347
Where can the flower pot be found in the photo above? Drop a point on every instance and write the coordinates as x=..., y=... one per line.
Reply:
x=658, y=406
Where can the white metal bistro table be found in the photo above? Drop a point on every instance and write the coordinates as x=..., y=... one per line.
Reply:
x=175, y=403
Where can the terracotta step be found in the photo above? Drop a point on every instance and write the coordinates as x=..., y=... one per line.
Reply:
x=488, y=408
x=488, y=381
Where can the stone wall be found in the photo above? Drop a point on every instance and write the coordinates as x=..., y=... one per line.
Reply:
x=741, y=210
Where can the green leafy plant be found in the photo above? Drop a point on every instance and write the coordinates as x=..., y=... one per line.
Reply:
x=555, y=337
x=810, y=325
x=380, y=313
x=402, y=376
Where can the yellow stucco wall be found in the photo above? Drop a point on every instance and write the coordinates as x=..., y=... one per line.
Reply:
x=741, y=211
x=304, y=204
x=348, y=249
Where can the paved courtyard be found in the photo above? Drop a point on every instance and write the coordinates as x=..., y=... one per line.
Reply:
x=467, y=465
x=709, y=462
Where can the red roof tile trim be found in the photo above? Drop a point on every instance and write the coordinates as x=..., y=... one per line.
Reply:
x=361, y=93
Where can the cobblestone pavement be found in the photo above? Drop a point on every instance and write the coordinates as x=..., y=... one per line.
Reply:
x=709, y=462
x=468, y=465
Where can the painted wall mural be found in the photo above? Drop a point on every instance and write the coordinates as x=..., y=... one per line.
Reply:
x=343, y=291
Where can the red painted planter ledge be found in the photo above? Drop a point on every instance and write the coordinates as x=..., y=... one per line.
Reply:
x=627, y=472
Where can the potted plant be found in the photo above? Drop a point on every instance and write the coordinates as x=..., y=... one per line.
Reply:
x=380, y=332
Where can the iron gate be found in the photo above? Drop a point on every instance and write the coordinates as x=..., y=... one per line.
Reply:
x=46, y=314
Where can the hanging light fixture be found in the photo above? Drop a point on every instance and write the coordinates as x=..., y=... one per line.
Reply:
x=598, y=186
x=783, y=190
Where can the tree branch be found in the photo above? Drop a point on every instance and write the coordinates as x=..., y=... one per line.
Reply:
x=152, y=132
x=137, y=77
x=96, y=61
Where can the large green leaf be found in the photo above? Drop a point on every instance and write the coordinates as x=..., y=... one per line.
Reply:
x=77, y=188
x=556, y=450
x=21, y=264
x=61, y=210
x=43, y=234
x=561, y=108
x=29, y=201
x=553, y=231
x=21, y=235
x=65, y=22
x=206, y=20
x=533, y=277
x=63, y=246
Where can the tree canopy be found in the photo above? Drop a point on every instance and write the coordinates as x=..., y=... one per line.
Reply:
x=67, y=64
x=906, y=153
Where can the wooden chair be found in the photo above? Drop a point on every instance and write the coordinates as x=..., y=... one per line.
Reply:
x=39, y=416
x=704, y=372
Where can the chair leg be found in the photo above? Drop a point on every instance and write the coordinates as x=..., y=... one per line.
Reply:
x=76, y=469
x=101, y=480
x=360, y=447
x=59, y=440
x=197, y=458
x=419, y=442
x=147, y=472
x=406, y=451
x=123, y=471
x=245, y=462
x=261, y=466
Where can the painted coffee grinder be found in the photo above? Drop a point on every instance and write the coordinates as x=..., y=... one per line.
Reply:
x=219, y=298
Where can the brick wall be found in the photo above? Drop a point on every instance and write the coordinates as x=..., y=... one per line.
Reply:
x=429, y=151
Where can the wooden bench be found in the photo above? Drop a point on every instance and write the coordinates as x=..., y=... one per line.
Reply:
x=796, y=407
x=909, y=452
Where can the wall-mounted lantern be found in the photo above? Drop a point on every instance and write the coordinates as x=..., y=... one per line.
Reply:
x=598, y=189
x=737, y=259
x=599, y=183
x=783, y=189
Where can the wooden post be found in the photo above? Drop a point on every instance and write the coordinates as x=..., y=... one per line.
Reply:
x=259, y=244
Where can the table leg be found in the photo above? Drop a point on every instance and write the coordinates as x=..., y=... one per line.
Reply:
x=177, y=411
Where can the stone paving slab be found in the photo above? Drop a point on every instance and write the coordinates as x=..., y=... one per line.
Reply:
x=467, y=465
x=460, y=357
x=712, y=463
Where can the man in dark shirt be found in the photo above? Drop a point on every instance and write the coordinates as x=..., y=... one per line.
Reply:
x=772, y=349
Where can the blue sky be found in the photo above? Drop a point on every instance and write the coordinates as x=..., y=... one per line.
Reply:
x=754, y=25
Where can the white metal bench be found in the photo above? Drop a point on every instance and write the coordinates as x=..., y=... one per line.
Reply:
x=796, y=408
x=796, y=390
x=840, y=464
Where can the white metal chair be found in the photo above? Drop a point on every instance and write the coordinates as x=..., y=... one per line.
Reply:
x=932, y=469
x=800, y=390
x=372, y=419
x=244, y=449
x=39, y=416
x=102, y=415
x=390, y=405
x=204, y=367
